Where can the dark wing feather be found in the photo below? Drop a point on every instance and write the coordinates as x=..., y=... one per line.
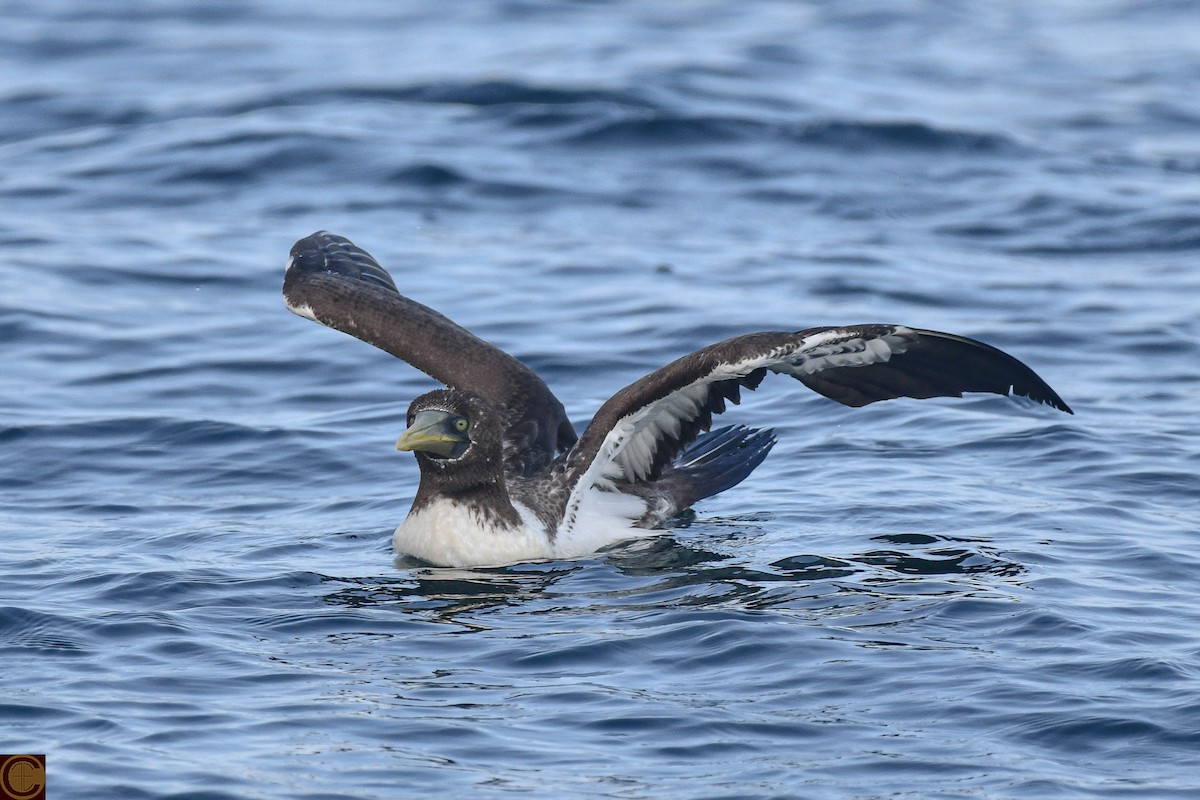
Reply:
x=333, y=282
x=645, y=425
x=932, y=364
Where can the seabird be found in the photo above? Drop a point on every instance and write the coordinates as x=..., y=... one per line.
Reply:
x=505, y=479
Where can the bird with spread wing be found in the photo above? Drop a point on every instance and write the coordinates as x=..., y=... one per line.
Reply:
x=505, y=479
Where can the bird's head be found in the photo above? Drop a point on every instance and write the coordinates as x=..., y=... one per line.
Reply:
x=453, y=432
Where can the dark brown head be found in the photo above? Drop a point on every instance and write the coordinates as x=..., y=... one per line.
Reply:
x=456, y=437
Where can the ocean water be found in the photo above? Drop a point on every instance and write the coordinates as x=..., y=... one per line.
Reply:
x=972, y=598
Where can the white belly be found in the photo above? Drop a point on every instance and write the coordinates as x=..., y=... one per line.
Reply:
x=452, y=535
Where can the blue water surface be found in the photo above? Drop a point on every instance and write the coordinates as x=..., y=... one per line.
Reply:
x=973, y=598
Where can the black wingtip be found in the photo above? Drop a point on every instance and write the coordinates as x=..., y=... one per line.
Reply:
x=984, y=364
x=1048, y=397
x=923, y=364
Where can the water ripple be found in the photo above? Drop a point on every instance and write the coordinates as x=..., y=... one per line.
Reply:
x=967, y=598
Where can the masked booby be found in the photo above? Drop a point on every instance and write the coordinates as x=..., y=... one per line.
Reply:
x=503, y=477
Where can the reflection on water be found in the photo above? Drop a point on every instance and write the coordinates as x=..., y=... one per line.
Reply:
x=644, y=572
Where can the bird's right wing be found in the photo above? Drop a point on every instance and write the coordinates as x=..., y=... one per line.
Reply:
x=332, y=281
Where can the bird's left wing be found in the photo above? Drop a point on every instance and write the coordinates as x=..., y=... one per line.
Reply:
x=332, y=281
x=638, y=431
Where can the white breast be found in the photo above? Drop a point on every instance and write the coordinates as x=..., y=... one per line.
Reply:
x=454, y=535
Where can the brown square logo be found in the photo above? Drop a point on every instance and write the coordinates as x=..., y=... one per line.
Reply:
x=22, y=777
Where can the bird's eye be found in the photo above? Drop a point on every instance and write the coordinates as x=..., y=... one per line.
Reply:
x=461, y=425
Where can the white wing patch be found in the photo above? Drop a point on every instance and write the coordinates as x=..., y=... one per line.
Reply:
x=629, y=448
x=302, y=309
x=627, y=453
x=663, y=418
x=841, y=348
